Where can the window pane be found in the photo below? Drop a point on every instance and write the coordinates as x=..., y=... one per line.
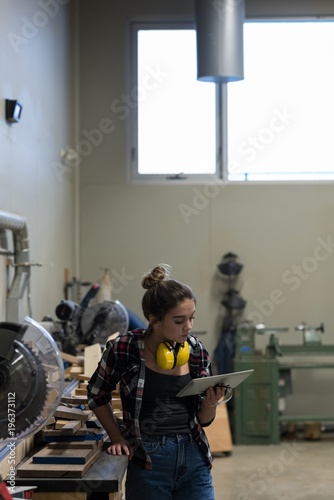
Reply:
x=176, y=113
x=280, y=117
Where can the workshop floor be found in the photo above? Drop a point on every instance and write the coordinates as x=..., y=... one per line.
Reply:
x=291, y=470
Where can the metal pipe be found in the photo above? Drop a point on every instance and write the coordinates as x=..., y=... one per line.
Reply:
x=18, y=225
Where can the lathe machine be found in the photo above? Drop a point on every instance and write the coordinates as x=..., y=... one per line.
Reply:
x=258, y=404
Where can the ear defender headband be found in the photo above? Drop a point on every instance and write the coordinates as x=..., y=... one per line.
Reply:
x=169, y=356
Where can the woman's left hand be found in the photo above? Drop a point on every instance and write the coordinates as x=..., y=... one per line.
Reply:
x=213, y=395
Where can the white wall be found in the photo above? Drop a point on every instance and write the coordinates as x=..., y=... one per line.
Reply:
x=130, y=228
x=36, y=54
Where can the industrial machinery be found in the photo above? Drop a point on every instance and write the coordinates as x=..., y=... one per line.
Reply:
x=259, y=403
x=31, y=366
x=10, y=221
x=89, y=324
x=103, y=319
x=31, y=378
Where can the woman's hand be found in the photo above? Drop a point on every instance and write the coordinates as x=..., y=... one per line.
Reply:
x=213, y=395
x=121, y=447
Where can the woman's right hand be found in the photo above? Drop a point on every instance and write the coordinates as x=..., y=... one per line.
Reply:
x=121, y=447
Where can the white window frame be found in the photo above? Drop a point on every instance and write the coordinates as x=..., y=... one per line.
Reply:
x=134, y=176
x=281, y=176
x=222, y=161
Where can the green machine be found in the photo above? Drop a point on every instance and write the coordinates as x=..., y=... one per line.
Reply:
x=255, y=402
x=257, y=414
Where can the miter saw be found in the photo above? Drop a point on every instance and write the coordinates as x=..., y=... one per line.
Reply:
x=103, y=319
x=90, y=324
x=31, y=378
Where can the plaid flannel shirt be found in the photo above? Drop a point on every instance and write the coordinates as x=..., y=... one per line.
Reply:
x=123, y=362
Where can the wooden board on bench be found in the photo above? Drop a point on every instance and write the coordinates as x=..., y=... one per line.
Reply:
x=73, y=455
x=29, y=469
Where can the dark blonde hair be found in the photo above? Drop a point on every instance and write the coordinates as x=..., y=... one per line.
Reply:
x=163, y=294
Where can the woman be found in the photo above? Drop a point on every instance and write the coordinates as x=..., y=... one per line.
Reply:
x=162, y=435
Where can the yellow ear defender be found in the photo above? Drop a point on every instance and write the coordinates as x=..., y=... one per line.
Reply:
x=169, y=356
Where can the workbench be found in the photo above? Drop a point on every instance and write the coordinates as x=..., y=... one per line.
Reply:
x=105, y=476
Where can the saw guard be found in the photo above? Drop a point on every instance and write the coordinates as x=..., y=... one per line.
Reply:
x=31, y=379
x=102, y=320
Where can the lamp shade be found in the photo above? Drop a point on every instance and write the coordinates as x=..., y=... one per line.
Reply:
x=219, y=32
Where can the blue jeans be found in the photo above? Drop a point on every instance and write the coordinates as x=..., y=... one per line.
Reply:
x=180, y=471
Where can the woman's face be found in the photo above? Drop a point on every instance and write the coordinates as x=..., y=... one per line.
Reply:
x=177, y=323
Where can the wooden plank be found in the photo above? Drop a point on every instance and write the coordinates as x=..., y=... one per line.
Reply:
x=91, y=445
x=116, y=403
x=84, y=377
x=50, y=422
x=62, y=456
x=67, y=433
x=71, y=427
x=81, y=392
x=74, y=400
x=80, y=435
x=112, y=336
x=72, y=359
x=75, y=371
x=84, y=430
x=118, y=414
x=60, y=423
x=47, y=433
x=67, y=373
x=29, y=469
x=65, y=412
x=92, y=356
x=22, y=448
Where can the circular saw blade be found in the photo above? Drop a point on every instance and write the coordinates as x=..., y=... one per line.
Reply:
x=31, y=378
x=23, y=390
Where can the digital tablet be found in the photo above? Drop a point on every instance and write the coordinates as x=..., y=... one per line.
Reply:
x=200, y=385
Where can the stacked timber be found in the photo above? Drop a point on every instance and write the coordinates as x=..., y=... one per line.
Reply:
x=60, y=459
x=73, y=442
x=73, y=439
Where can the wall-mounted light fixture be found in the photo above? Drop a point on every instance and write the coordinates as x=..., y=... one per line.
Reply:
x=13, y=111
x=219, y=27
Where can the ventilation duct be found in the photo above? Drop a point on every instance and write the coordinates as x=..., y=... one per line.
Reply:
x=219, y=27
x=17, y=225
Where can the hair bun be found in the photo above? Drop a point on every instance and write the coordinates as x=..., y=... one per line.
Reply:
x=159, y=273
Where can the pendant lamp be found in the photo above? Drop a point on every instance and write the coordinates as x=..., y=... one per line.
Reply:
x=219, y=33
